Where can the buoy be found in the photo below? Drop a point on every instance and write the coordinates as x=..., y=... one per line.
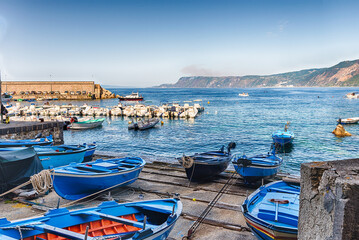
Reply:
x=129, y=122
x=194, y=199
x=208, y=102
x=161, y=123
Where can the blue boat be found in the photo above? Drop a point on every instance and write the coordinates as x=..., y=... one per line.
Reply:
x=257, y=167
x=56, y=156
x=4, y=143
x=204, y=166
x=152, y=219
x=271, y=212
x=283, y=137
x=76, y=181
x=89, y=152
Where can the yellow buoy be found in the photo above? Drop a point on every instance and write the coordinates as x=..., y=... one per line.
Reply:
x=194, y=199
x=161, y=122
x=208, y=102
x=129, y=122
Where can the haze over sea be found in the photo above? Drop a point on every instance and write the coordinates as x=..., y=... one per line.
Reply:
x=249, y=121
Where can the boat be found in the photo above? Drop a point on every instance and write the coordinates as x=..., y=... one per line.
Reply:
x=271, y=212
x=204, y=166
x=257, y=167
x=153, y=219
x=78, y=180
x=352, y=95
x=353, y=120
x=85, y=123
x=5, y=98
x=132, y=97
x=17, y=167
x=243, y=94
x=55, y=156
x=143, y=124
x=89, y=152
x=283, y=137
x=4, y=143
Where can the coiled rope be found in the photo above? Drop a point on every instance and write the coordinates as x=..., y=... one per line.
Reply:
x=42, y=181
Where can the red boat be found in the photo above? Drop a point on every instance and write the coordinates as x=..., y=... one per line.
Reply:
x=132, y=97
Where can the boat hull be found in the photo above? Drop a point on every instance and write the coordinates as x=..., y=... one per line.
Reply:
x=130, y=99
x=80, y=126
x=73, y=187
x=4, y=143
x=255, y=173
x=109, y=220
x=51, y=160
x=283, y=137
x=203, y=171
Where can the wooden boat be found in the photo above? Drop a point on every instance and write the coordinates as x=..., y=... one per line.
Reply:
x=203, y=166
x=76, y=180
x=283, y=137
x=152, y=219
x=4, y=143
x=55, y=156
x=257, y=167
x=144, y=124
x=353, y=120
x=132, y=97
x=86, y=124
x=17, y=167
x=271, y=212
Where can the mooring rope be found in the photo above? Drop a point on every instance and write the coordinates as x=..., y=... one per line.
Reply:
x=42, y=181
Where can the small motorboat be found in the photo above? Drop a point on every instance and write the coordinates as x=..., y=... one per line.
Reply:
x=153, y=219
x=85, y=123
x=352, y=95
x=144, y=124
x=353, y=120
x=203, y=166
x=78, y=180
x=55, y=156
x=243, y=94
x=283, y=137
x=257, y=167
x=4, y=143
x=271, y=212
x=132, y=97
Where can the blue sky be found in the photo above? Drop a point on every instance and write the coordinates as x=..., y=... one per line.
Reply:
x=146, y=43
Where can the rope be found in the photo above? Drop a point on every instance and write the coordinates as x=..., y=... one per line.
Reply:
x=42, y=181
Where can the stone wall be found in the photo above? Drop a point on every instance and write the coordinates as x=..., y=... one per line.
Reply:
x=329, y=200
x=28, y=130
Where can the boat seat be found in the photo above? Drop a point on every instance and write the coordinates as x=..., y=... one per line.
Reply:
x=58, y=231
x=283, y=191
x=162, y=209
x=284, y=218
x=115, y=219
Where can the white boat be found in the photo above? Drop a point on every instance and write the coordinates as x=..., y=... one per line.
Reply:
x=86, y=123
x=353, y=95
x=353, y=120
x=144, y=124
x=243, y=94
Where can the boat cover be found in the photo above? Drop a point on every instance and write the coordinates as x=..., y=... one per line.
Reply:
x=16, y=167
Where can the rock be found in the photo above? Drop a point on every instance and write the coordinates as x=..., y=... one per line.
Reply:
x=339, y=131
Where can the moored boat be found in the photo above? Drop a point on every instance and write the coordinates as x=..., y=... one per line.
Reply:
x=79, y=180
x=132, y=97
x=55, y=156
x=353, y=120
x=352, y=95
x=271, y=212
x=143, y=124
x=283, y=137
x=243, y=94
x=257, y=167
x=153, y=219
x=86, y=123
x=4, y=143
x=203, y=166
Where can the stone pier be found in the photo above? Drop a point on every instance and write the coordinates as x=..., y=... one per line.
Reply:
x=329, y=200
x=28, y=130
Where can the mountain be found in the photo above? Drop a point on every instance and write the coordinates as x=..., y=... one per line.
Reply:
x=343, y=74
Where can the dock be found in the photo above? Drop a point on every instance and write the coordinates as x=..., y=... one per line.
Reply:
x=162, y=180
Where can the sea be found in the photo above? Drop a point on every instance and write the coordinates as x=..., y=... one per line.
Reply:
x=248, y=121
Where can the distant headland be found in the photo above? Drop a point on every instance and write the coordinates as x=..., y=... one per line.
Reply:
x=344, y=74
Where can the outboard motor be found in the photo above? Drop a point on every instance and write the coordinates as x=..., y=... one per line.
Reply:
x=231, y=145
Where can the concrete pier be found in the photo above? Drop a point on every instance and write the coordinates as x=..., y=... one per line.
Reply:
x=329, y=203
x=28, y=130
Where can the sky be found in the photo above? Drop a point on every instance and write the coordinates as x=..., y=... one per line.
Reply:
x=147, y=43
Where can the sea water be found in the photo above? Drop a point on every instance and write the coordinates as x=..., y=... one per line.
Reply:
x=248, y=121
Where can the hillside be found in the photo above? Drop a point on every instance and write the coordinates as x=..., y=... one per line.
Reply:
x=343, y=74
